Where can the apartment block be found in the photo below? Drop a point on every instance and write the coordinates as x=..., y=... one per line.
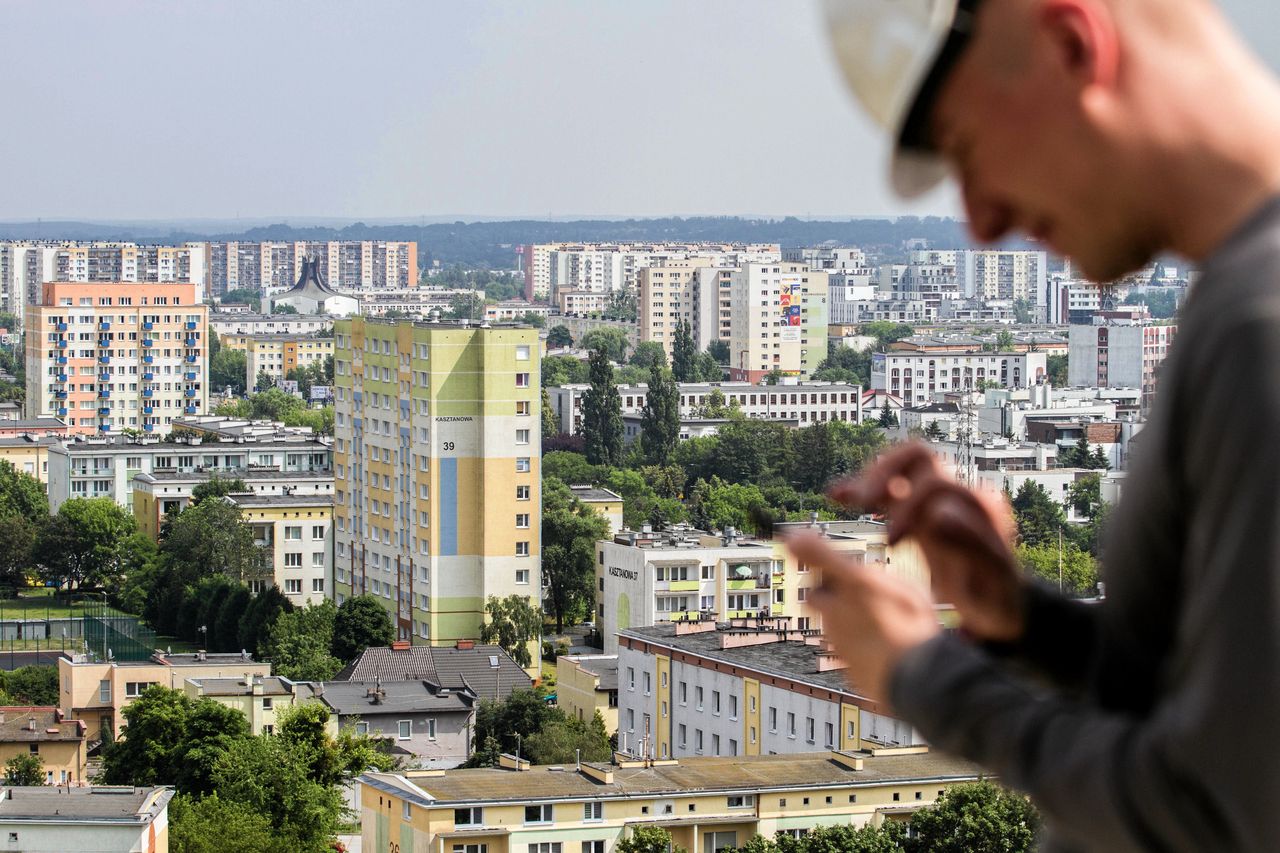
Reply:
x=752, y=686
x=97, y=691
x=45, y=732
x=117, y=356
x=437, y=437
x=105, y=466
x=294, y=532
x=276, y=355
x=685, y=291
x=649, y=577
x=348, y=265
x=916, y=377
x=233, y=326
x=1073, y=301
x=1004, y=274
x=707, y=804
x=779, y=321
x=160, y=493
x=587, y=685
x=97, y=819
x=1119, y=354
x=608, y=267
x=801, y=403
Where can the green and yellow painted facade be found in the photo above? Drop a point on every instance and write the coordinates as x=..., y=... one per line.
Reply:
x=436, y=453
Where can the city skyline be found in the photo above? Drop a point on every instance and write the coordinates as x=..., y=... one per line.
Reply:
x=478, y=110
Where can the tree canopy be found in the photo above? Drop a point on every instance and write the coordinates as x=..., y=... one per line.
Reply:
x=361, y=621
x=511, y=623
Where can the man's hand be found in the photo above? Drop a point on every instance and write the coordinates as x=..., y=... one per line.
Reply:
x=965, y=536
x=871, y=617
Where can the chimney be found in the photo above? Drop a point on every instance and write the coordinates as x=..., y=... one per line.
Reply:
x=31, y=724
x=400, y=645
x=465, y=645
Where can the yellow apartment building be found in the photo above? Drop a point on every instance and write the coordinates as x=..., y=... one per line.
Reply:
x=259, y=698
x=28, y=455
x=276, y=355
x=707, y=804
x=295, y=533
x=604, y=503
x=98, y=691
x=586, y=684
x=59, y=742
x=158, y=493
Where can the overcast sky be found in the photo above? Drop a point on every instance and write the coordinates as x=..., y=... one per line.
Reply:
x=137, y=109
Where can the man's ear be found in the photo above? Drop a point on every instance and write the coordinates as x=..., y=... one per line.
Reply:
x=1082, y=35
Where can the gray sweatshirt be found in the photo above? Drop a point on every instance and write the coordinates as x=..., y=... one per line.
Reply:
x=1160, y=727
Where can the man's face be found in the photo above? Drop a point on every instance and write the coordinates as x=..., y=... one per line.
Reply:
x=1010, y=122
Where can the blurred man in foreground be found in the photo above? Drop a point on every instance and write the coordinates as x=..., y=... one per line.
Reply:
x=1112, y=130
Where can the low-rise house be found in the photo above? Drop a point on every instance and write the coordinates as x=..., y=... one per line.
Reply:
x=488, y=672
x=258, y=697
x=707, y=804
x=604, y=503
x=85, y=820
x=97, y=691
x=423, y=723
x=45, y=731
x=586, y=684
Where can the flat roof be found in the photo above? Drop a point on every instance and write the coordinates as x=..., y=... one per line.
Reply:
x=594, y=494
x=95, y=804
x=272, y=685
x=689, y=776
x=256, y=500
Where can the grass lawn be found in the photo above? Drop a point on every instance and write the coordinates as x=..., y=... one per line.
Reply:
x=40, y=604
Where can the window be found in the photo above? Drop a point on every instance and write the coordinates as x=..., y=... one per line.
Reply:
x=522, y=493
x=593, y=811
x=104, y=691
x=293, y=586
x=317, y=559
x=468, y=817
x=791, y=724
x=593, y=846
x=266, y=703
x=405, y=729
x=715, y=744
x=317, y=532
x=522, y=354
x=522, y=407
x=522, y=380
x=714, y=842
x=773, y=719
x=522, y=549
x=742, y=801
x=631, y=678
x=293, y=561
x=406, y=813
x=545, y=847
x=684, y=693
x=697, y=697
x=808, y=729
x=830, y=734
x=522, y=436
x=522, y=520
x=733, y=707
x=293, y=533
x=697, y=740
x=362, y=728
x=431, y=728
x=522, y=465
x=715, y=702
x=648, y=683
x=681, y=732
x=538, y=814
x=522, y=576
x=134, y=689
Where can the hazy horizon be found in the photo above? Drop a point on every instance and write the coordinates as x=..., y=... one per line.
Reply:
x=142, y=111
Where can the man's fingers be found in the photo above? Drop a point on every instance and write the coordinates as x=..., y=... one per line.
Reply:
x=838, y=571
x=872, y=490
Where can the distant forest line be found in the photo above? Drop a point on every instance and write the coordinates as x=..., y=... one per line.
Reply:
x=492, y=244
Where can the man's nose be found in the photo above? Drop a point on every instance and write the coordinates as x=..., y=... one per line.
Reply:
x=989, y=218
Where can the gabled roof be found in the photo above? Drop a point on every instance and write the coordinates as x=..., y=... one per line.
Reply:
x=488, y=671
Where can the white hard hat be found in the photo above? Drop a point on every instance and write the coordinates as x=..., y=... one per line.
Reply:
x=895, y=55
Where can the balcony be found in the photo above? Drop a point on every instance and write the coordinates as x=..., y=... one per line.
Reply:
x=148, y=326
x=148, y=393
x=62, y=359
x=104, y=359
x=190, y=410
x=191, y=327
x=61, y=377
x=62, y=344
x=104, y=394
x=60, y=395
x=148, y=342
x=62, y=413
x=104, y=377
x=684, y=586
x=104, y=412
x=148, y=359
x=104, y=427
x=104, y=343
x=148, y=377
x=190, y=392
x=62, y=327
x=104, y=327
x=191, y=359
x=191, y=377
x=190, y=342
x=149, y=427
x=148, y=410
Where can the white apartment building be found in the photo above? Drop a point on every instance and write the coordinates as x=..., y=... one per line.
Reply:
x=104, y=466
x=1119, y=354
x=1004, y=274
x=917, y=376
x=608, y=267
x=802, y=403
x=779, y=321
x=347, y=265
x=690, y=291
x=750, y=687
x=241, y=324
x=831, y=259
x=1073, y=301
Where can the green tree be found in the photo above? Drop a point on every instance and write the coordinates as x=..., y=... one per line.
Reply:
x=649, y=354
x=660, y=417
x=1004, y=341
x=646, y=838
x=570, y=531
x=612, y=341
x=360, y=622
x=273, y=404
x=227, y=370
x=845, y=364
x=886, y=332
x=212, y=538
x=242, y=296
x=24, y=769
x=217, y=486
x=1039, y=516
x=974, y=818
x=1023, y=311
x=512, y=622
x=82, y=544
x=1072, y=569
x=550, y=423
x=888, y=419
x=299, y=643
x=707, y=369
x=1056, y=367
x=1085, y=495
x=261, y=614
x=263, y=382
x=558, y=336
x=203, y=825
x=511, y=721
x=934, y=432
x=466, y=306
x=684, y=354
x=719, y=350
x=564, y=739
x=21, y=494
x=602, y=413
x=227, y=620
x=17, y=540
x=32, y=685
x=327, y=760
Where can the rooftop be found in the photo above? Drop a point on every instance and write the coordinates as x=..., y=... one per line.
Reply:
x=688, y=775
x=250, y=475
x=487, y=670
x=364, y=698
x=594, y=494
x=605, y=667
x=272, y=685
x=246, y=499
x=789, y=658
x=33, y=724
x=72, y=805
